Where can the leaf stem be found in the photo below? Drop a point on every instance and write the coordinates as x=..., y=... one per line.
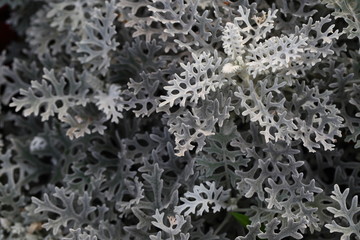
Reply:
x=226, y=220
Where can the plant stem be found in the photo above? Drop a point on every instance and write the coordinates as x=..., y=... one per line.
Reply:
x=227, y=218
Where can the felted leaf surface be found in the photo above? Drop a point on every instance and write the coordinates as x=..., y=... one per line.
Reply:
x=202, y=198
x=99, y=41
x=350, y=227
x=55, y=95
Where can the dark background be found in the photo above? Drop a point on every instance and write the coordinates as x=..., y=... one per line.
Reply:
x=6, y=33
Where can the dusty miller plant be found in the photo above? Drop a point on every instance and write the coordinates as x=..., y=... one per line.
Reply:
x=181, y=119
